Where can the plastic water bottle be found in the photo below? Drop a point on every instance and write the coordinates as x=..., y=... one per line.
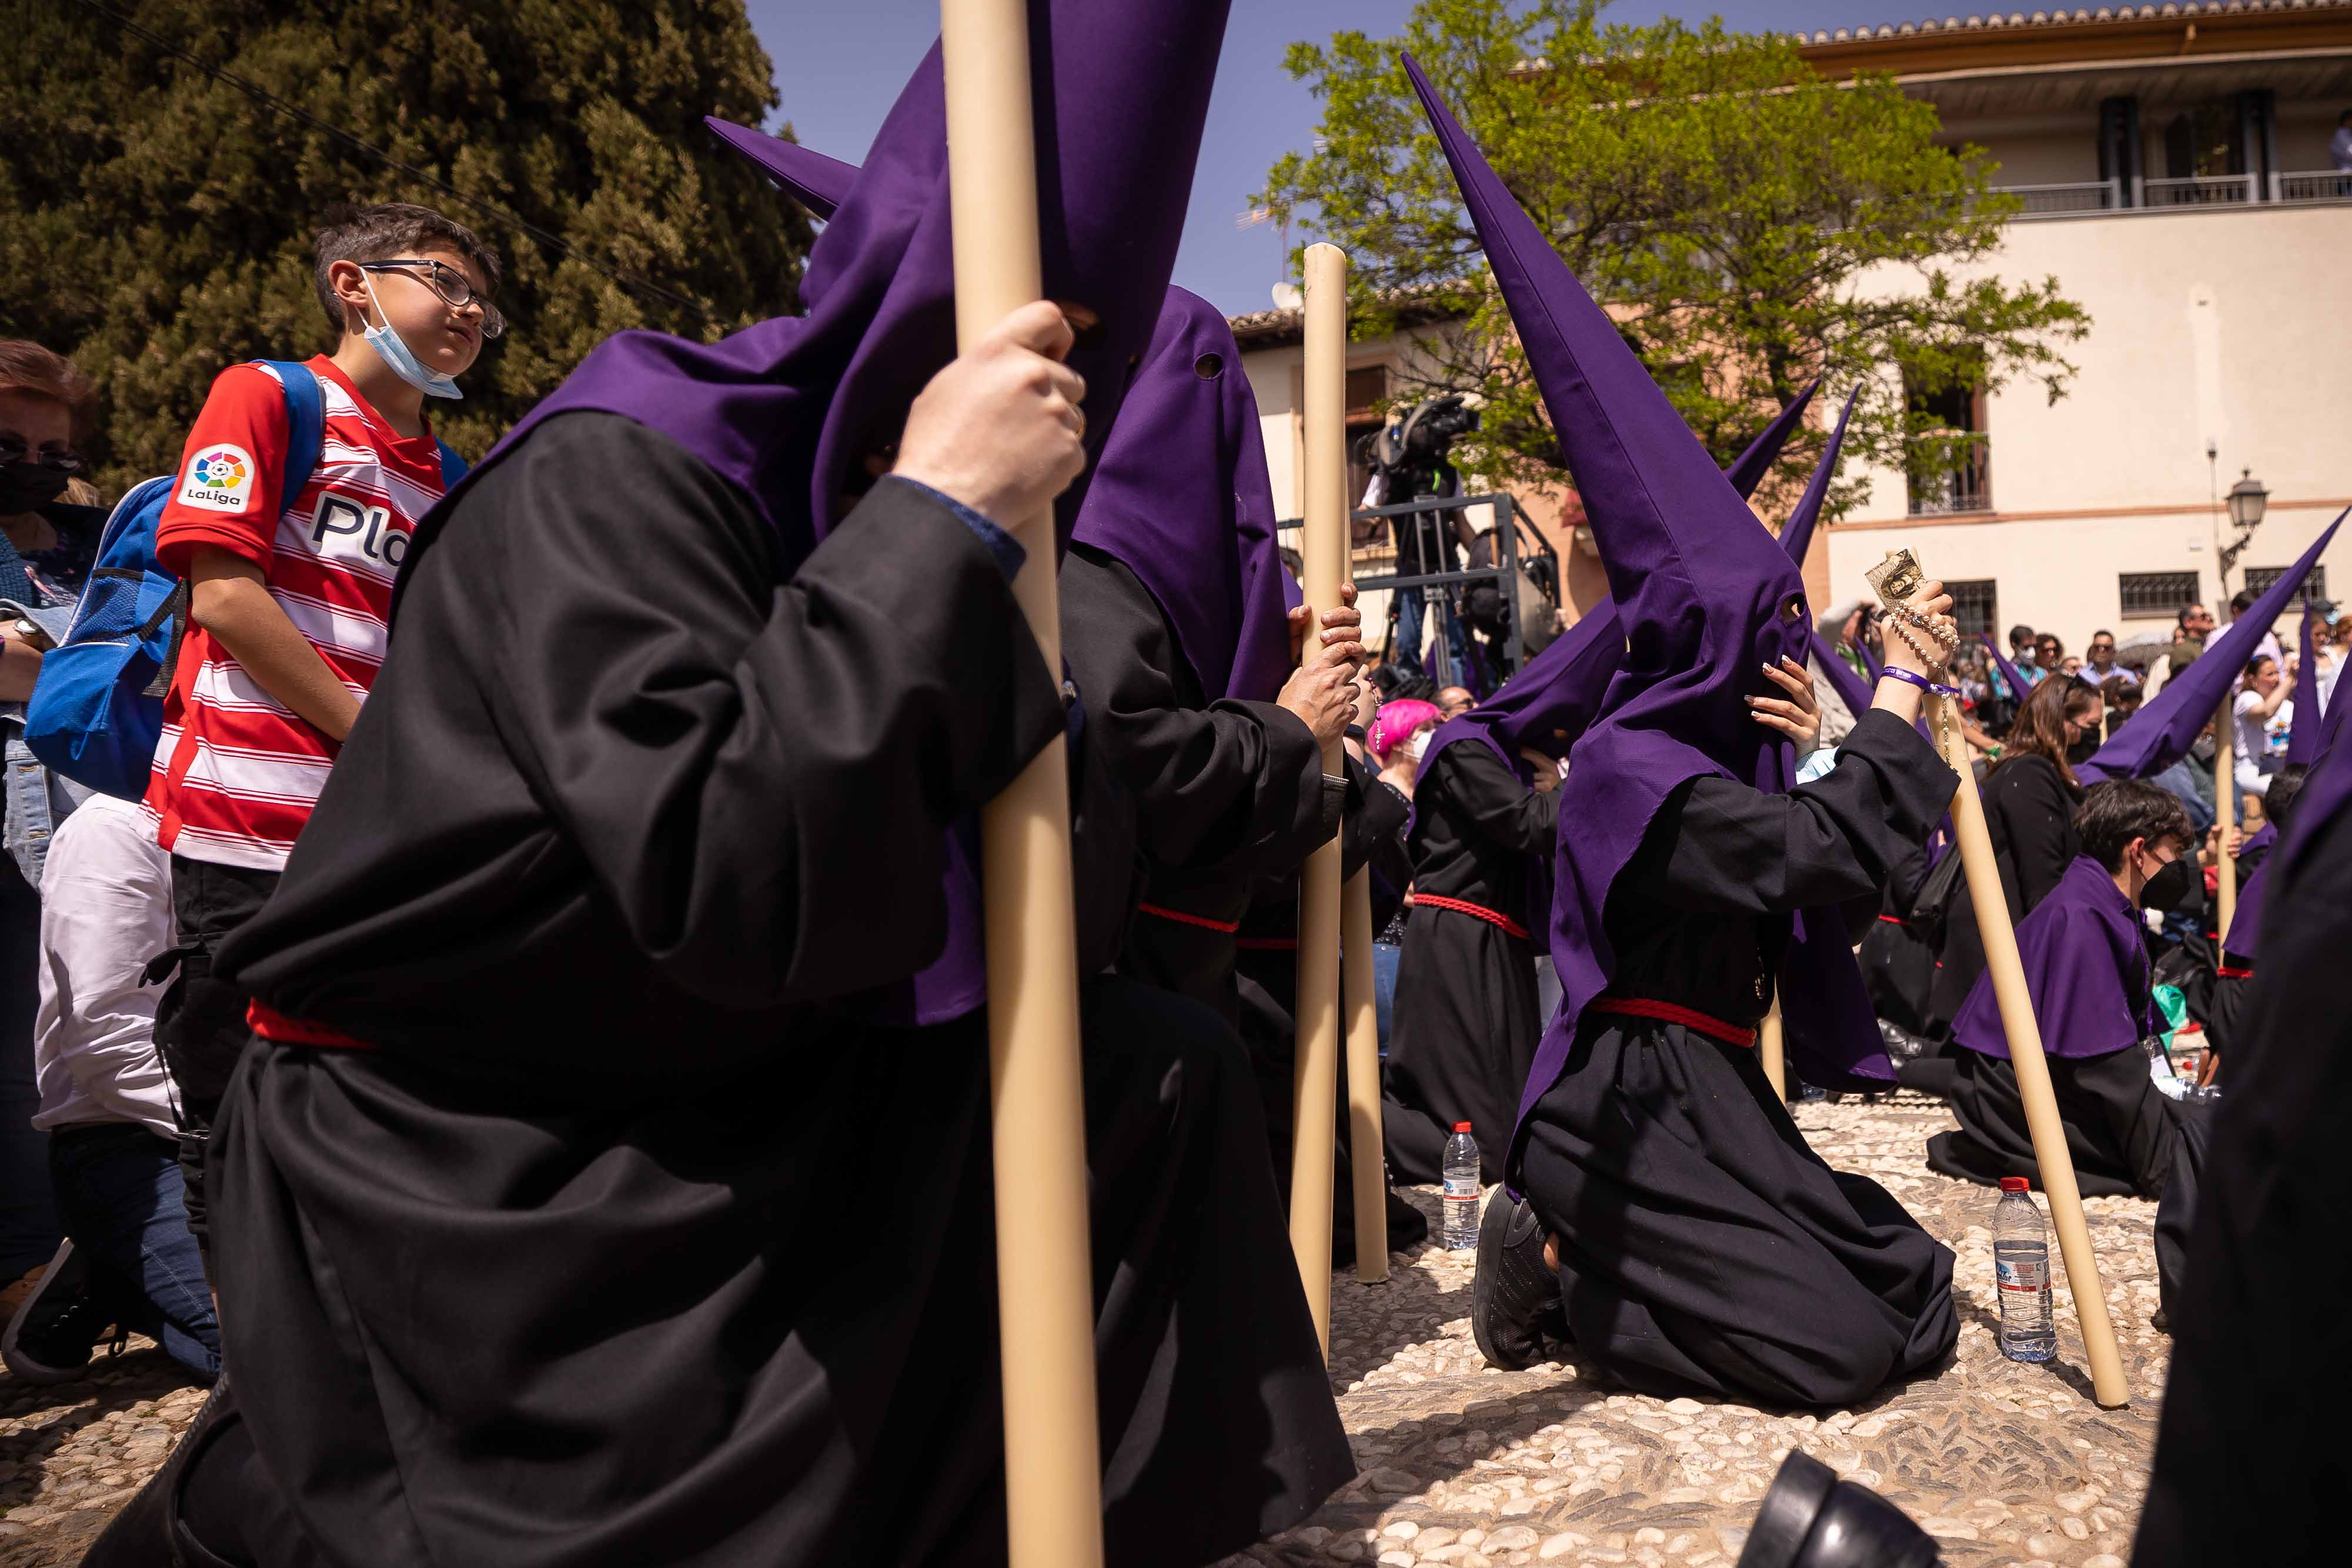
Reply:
x=2021, y=1259
x=1461, y=1190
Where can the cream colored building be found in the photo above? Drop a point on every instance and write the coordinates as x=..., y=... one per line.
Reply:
x=2175, y=169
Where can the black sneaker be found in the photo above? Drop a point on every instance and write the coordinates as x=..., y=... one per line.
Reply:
x=51, y=1336
x=1515, y=1305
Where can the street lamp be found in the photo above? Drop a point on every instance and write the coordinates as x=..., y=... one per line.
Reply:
x=2248, y=501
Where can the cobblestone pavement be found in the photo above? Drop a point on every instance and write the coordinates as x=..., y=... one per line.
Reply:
x=2003, y=1462
x=1462, y=1464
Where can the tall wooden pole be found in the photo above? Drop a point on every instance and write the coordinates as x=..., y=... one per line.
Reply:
x=1044, y=1279
x=2017, y=1022
x=1315, y=1082
x=1771, y=1053
x=2225, y=810
x=1366, y=1166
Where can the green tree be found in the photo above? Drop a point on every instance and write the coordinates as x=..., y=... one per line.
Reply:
x=157, y=221
x=1748, y=225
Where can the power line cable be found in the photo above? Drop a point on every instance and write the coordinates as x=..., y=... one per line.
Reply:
x=271, y=101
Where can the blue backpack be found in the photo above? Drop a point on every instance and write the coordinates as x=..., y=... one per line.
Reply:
x=97, y=709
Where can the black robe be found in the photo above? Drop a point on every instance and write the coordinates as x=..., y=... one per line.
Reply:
x=1704, y=1249
x=547, y=1278
x=1372, y=834
x=1466, y=1026
x=2030, y=817
x=2123, y=1132
x=1226, y=793
x=2251, y=1465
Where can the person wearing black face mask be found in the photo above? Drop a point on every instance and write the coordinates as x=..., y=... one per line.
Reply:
x=2086, y=966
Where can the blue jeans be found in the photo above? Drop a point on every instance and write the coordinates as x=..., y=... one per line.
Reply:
x=118, y=1193
x=28, y=1220
x=1411, y=604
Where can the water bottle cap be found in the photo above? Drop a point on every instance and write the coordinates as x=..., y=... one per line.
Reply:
x=2015, y=1183
x=1461, y=1126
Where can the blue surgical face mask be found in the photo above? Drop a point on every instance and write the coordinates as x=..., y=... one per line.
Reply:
x=396, y=353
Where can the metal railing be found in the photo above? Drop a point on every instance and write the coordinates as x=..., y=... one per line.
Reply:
x=2203, y=191
x=1505, y=573
x=2320, y=185
x=2065, y=200
x=2086, y=198
x=1962, y=486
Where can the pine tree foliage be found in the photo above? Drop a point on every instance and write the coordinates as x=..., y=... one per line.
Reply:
x=1748, y=225
x=157, y=224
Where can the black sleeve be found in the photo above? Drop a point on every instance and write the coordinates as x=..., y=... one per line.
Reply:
x=1719, y=845
x=1211, y=783
x=1373, y=828
x=756, y=772
x=2039, y=814
x=1509, y=814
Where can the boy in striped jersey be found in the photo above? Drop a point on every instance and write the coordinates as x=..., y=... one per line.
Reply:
x=289, y=595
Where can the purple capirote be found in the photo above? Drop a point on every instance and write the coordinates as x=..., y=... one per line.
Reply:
x=1706, y=600
x=2168, y=724
x=1180, y=495
x=787, y=411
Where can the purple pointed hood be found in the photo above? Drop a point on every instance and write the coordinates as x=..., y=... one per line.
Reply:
x=2010, y=676
x=2303, y=732
x=2166, y=726
x=1748, y=469
x=1181, y=497
x=1197, y=530
x=818, y=183
x=1797, y=533
x=786, y=411
x=1705, y=598
x=1546, y=706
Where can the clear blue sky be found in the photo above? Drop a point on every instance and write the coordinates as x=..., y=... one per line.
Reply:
x=839, y=63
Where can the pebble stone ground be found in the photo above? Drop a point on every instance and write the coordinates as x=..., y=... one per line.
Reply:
x=2003, y=1462
x=1466, y=1466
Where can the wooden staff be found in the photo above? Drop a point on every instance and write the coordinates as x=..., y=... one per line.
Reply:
x=2225, y=813
x=1770, y=1052
x=1365, y=1161
x=1044, y=1279
x=1315, y=1079
x=2024, y=1034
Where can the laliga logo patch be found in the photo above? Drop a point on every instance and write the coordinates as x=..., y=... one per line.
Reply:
x=220, y=479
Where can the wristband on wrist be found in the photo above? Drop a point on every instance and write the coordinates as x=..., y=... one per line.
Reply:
x=1922, y=682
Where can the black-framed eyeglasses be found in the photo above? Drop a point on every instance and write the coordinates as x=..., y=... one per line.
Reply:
x=15, y=449
x=453, y=285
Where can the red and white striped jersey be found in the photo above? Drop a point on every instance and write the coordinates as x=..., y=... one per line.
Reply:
x=235, y=771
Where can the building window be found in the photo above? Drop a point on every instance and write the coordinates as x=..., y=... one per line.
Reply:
x=1950, y=463
x=2157, y=593
x=1974, y=605
x=2260, y=580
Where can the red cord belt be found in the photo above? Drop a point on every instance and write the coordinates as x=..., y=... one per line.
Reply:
x=2232, y=972
x=1464, y=906
x=272, y=1025
x=1689, y=1017
x=1202, y=921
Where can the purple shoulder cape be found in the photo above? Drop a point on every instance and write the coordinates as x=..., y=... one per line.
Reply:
x=2079, y=945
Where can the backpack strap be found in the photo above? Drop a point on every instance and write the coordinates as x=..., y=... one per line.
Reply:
x=453, y=468
x=306, y=427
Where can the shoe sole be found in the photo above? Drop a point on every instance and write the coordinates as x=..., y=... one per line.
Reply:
x=13, y=1355
x=1493, y=1225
